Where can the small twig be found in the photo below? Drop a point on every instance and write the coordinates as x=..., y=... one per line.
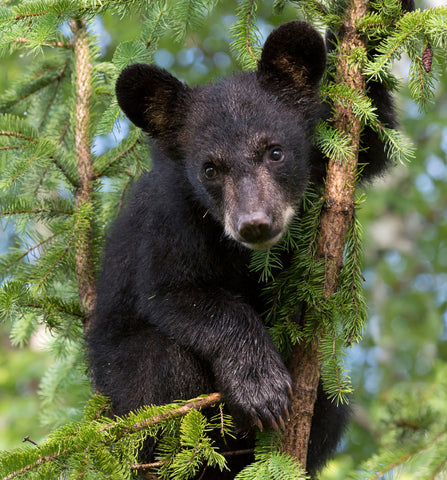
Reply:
x=33, y=247
x=353, y=287
x=61, y=256
x=32, y=211
x=58, y=309
x=124, y=191
x=147, y=466
x=203, y=473
x=46, y=44
x=321, y=8
x=13, y=147
x=64, y=132
x=237, y=452
x=29, y=15
x=222, y=423
x=117, y=158
x=27, y=439
x=53, y=96
x=7, y=133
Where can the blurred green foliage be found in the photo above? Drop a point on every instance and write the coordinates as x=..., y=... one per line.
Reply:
x=20, y=374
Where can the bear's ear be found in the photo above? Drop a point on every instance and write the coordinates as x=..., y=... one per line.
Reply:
x=294, y=56
x=152, y=99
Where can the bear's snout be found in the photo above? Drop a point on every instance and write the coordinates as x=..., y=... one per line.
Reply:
x=255, y=227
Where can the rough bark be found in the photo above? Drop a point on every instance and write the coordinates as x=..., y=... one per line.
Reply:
x=336, y=217
x=85, y=272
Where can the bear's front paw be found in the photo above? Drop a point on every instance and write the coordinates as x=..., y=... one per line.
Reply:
x=259, y=396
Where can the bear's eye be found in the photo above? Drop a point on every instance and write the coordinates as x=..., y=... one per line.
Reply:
x=276, y=154
x=209, y=170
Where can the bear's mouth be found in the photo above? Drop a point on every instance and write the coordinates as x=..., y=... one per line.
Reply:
x=264, y=245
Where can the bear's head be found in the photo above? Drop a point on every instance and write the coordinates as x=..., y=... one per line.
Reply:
x=244, y=142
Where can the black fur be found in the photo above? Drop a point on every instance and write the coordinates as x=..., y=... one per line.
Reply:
x=178, y=310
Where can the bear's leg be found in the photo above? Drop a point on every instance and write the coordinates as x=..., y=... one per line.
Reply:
x=141, y=366
x=144, y=367
x=328, y=424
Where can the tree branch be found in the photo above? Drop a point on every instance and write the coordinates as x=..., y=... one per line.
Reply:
x=207, y=401
x=17, y=135
x=147, y=466
x=196, y=404
x=85, y=271
x=46, y=44
x=336, y=218
x=31, y=466
x=116, y=159
x=33, y=211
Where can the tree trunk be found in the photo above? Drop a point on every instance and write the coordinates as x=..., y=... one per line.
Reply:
x=335, y=221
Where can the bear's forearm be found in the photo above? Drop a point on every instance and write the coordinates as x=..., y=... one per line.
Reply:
x=228, y=334
x=210, y=323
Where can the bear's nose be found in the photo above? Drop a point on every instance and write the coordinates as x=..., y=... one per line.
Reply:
x=255, y=228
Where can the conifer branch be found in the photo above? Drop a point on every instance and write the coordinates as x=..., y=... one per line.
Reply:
x=23, y=16
x=121, y=431
x=247, y=31
x=204, y=402
x=85, y=9
x=305, y=364
x=16, y=134
x=392, y=466
x=32, y=211
x=40, y=86
x=439, y=470
x=59, y=258
x=13, y=147
x=157, y=22
x=353, y=289
x=31, y=466
x=29, y=162
x=8, y=133
x=84, y=263
x=245, y=34
x=36, y=306
x=231, y=453
x=147, y=466
x=33, y=247
x=419, y=67
x=46, y=44
x=73, y=181
x=125, y=190
x=117, y=158
x=54, y=95
x=321, y=8
x=390, y=54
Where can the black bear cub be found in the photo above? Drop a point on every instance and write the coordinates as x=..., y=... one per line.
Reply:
x=178, y=310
